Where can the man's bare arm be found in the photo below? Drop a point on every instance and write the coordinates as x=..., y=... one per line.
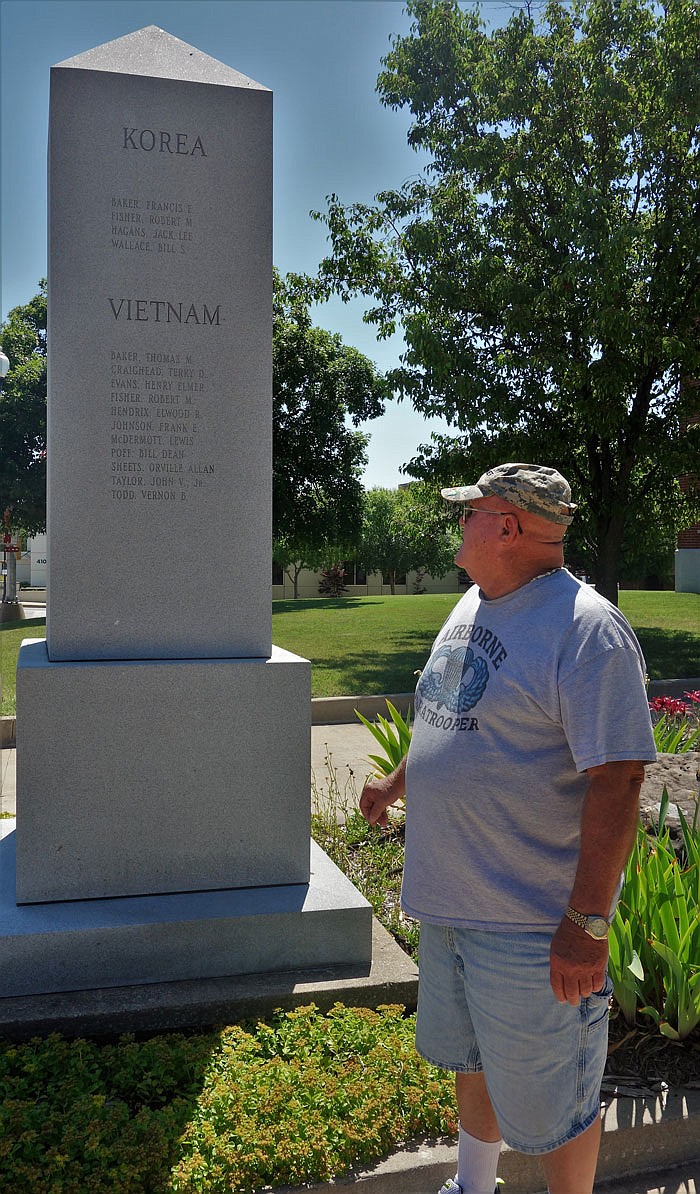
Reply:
x=379, y=792
x=608, y=826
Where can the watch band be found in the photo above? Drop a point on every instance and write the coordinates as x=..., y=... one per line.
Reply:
x=579, y=918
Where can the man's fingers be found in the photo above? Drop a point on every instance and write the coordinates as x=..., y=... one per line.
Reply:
x=373, y=809
x=573, y=987
x=577, y=964
x=567, y=992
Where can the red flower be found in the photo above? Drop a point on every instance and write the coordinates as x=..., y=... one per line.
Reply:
x=670, y=706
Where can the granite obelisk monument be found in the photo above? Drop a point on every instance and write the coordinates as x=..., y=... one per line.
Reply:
x=163, y=743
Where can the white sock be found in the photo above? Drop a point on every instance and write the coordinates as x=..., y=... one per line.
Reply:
x=477, y=1162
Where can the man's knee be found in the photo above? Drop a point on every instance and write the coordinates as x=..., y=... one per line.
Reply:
x=476, y=1113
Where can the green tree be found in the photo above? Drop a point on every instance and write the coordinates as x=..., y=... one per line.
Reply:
x=647, y=558
x=23, y=416
x=545, y=266
x=404, y=529
x=319, y=386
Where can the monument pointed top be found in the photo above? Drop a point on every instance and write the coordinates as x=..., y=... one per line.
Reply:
x=152, y=51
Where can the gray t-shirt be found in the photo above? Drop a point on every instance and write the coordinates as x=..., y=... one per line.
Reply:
x=520, y=696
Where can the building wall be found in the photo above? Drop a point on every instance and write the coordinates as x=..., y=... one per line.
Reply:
x=688, y=569
x=31, y=567
x=309, y=582
x=690, y=538
x=688, y=553
x=38, y=547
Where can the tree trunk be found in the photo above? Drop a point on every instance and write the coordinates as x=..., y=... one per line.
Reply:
x=609, y=551
x=294, y=577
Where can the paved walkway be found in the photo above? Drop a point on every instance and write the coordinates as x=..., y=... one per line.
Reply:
x=423, y=1171
x=340, y=765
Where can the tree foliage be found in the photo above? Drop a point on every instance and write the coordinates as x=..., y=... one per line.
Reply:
x=23, y=416
x=405, y=529
x=545, y=266
x=319, y=386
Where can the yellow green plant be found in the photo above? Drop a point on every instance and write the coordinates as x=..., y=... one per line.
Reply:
x=299, y=1099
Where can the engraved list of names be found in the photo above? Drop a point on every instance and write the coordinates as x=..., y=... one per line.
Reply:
x=158, y=450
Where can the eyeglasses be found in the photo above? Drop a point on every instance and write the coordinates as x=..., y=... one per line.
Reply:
x=467, y=512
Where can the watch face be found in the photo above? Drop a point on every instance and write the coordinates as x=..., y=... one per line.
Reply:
x=597, y=927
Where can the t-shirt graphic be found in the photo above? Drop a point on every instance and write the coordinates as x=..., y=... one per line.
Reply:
x=454, y=678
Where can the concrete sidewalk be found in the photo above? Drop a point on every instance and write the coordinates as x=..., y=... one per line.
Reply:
x=340, y=764
x=423, y=1168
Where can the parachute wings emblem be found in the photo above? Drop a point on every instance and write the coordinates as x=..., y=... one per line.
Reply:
x=459, y=684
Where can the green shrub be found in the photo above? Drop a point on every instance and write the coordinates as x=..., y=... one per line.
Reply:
x=309, y=1097
x=299, y=1099
x=78, y=1116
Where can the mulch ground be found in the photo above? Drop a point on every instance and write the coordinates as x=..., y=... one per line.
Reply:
x=641, y=1061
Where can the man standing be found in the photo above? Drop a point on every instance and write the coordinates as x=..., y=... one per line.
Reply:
x=531, y=729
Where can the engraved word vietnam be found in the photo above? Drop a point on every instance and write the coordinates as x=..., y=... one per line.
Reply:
x=163, y=311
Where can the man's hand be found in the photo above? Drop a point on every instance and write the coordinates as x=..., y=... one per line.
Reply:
x=576, y=963
x=379, y=792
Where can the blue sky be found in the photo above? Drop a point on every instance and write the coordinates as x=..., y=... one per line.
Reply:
x=320, y=58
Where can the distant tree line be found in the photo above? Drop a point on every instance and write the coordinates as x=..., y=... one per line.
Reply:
x=402, y=530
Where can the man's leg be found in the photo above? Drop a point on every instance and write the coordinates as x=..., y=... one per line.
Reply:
x=568, y=1170
x=445, y=1037
x=480, y=1141
x=571, y=1168
x=474, y=1105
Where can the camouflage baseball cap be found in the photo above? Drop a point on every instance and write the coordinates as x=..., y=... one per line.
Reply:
x=532, y=487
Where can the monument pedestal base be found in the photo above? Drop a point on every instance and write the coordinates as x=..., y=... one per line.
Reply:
x=140, y=777
x=84, y=944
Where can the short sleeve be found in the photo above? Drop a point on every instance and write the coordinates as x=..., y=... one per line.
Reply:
x=604, y=710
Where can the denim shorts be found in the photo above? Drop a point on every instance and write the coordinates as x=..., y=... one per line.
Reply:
x=485, y=1005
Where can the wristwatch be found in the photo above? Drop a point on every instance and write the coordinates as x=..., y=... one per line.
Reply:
x=597, y=927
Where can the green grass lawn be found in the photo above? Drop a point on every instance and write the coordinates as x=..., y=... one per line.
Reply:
x=668, y=628
x=361, y=645
x=11, y=636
